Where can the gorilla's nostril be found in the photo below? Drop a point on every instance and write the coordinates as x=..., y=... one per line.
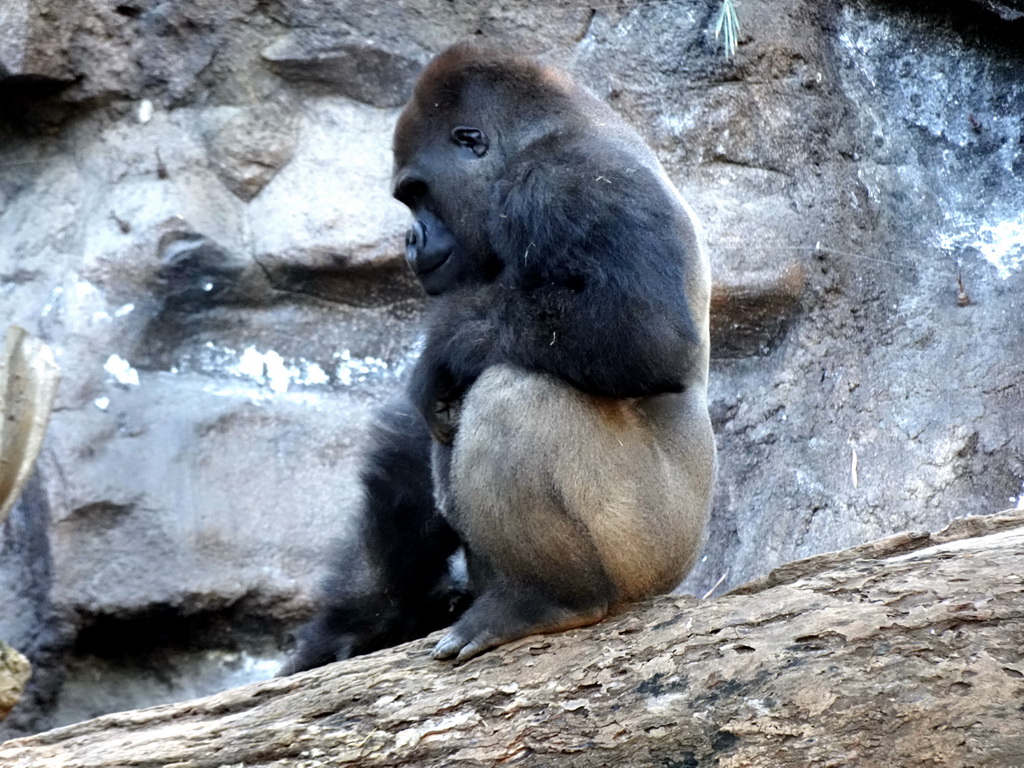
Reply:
x=416, y=237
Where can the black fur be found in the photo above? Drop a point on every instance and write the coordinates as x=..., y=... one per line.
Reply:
x=563, y=261
x=600, y=304
x=391, y=583
x=552, y=244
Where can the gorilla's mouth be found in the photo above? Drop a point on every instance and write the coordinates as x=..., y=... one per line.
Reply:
x=426, y=263
x=422, y=252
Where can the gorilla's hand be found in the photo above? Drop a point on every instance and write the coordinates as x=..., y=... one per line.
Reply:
x=433, y=391
x=446, y=421
x=461, y=339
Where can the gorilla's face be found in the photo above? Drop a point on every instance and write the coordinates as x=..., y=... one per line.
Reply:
x=446, y=165
x=432, y=183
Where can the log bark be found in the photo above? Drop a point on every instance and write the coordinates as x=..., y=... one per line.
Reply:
x=903, y=652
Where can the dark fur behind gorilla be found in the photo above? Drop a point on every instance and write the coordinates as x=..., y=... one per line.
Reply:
x=556, y=424
x=390, y=583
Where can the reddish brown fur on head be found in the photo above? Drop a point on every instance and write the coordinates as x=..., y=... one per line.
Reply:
x=512, y=96
x=446, y=77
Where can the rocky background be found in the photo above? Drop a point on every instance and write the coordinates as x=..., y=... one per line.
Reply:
x=194, y=214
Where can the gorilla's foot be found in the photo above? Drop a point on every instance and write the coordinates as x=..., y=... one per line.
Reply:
x=317, y=647
x=494, y=620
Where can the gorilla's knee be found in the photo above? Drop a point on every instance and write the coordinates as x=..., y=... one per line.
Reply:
x=577, y=488
x=511, y=503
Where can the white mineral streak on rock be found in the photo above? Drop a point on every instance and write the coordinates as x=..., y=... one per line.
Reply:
x=121, y=370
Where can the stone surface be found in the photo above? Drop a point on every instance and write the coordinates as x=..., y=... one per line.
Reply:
x=353, y=66
x=31, y=46
x=207, y=240
x=1010, y=10
x=887, y=404
x=335, y=195
x=27, y=620
x=252, y=144
x=100, y=51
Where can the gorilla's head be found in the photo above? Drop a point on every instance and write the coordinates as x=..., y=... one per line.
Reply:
x=472, y=116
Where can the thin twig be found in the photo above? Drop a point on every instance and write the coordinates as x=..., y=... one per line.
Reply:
x=728, y=26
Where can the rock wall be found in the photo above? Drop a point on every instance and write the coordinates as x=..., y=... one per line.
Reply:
x=194, y=214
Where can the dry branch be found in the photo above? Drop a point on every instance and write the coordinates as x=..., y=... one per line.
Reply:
x=904, y=652
x=14, y=674
x=28, y=386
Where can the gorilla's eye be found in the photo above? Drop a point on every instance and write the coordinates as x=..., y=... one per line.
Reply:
x=473, y=138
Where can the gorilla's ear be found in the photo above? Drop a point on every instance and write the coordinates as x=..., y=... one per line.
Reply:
x=471, y=138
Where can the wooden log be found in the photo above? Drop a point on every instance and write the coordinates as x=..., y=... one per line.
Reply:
x=904, y=652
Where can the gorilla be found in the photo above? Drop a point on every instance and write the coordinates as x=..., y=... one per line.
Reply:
x=551, y=457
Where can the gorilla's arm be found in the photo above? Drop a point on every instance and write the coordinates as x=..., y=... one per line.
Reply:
x=592, y=290
x=598, y=261
x=461, y=341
